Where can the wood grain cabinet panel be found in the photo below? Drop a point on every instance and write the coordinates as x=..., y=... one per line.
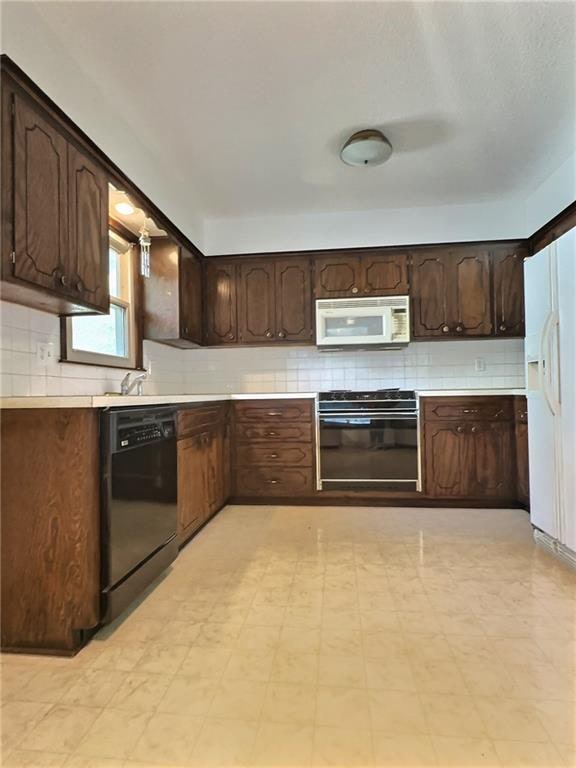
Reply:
x=508, y=291
x=467, y=408
x=285, y=433
x=88, y=227
x=449, y=467
x=267, y=481
x=293, y=300
x=220, y=302
x=172, y=295
x=192, y=485
x=271, y=455
x=385, y=274
x=493, y=457
x=256, y=302
x=276, y=411
x=430, y=296
x=470, y=278
x=50, y=483
x=337, y=277
x=521, y=444
x=40, y=198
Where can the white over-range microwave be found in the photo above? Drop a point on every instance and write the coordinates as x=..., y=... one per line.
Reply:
x=383, y=321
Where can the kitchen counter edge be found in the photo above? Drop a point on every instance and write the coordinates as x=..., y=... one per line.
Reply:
x=120, y=401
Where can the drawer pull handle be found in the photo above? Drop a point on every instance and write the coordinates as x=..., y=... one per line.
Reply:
x=271, y=434
x=272, y=455
x=470, y=410
x=272, y=482
x=274, y=413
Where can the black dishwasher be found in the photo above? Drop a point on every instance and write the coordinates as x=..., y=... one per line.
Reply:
x=139, y=502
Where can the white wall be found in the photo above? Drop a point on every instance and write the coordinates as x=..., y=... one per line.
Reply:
x=550, y=198
x=425, y=365
x=401, y=226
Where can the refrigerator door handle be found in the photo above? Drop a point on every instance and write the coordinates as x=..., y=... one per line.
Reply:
x=545, y=373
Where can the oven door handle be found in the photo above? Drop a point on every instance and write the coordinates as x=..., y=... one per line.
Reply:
x=368, y=414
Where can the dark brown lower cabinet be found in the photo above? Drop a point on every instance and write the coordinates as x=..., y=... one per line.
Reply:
x=203, y=466
x=468, y=448
x=521, y=438
x=274, y=448
x=50, y=528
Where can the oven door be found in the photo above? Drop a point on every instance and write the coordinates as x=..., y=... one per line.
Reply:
x=353, y=326
x=368, y=451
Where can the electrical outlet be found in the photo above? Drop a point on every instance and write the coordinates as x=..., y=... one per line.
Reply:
x=44, y=351
x=479, y=365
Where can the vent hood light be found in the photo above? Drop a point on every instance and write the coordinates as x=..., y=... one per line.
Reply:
x=369, y=147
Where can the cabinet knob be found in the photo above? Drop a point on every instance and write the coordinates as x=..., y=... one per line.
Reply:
x=64, y=281
x=459, y=328
x=186, y=330
x=354, y=289
x=474, y=429
x=445, y=329
x=502, y=327
x=231, y=336
x=459, y=429
x=281, y=335
x=79, y=285
x=269, y=334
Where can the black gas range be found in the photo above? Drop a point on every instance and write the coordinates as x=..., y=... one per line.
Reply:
x=369, y=440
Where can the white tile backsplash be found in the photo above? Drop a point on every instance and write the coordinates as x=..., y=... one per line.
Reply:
x=422, y=365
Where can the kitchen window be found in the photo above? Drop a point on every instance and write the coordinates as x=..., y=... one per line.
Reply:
x=108, y=340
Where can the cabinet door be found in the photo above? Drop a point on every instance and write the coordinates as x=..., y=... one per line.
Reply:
x=190, y=286
x=40, y=199
x=192, y=501
x=293, y=300
x=493, y=458
x=385, y=274
x=522, y=475
x=470, y=313
x=256, y=304
x=430, y=277
x=337, y=277
x=220, y=308
x=88, y=229
x=226, y=472
x=449, y=460
x=508, y=292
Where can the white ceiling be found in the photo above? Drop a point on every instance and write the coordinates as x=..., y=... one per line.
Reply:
x=244, y=105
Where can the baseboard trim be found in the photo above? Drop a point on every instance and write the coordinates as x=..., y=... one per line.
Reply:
x=554, y=546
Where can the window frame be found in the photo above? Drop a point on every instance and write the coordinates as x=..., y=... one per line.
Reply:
x=130, y=280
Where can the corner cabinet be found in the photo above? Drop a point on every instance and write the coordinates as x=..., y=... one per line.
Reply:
x=173, y=295
x=220, y=308
x=508, y=290
x=54, y=211
x=356, y=274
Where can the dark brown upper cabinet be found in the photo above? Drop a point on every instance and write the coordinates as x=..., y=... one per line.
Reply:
x=353, y=274
x=256, y=302
x=508, y=290
x=172, y=295
x=220, y=304
x=450, y=293
x=275, y=301
x=54, y=212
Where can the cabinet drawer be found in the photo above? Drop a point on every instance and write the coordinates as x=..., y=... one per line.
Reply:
x=272, y=482
x=193, y=420
x=294, y=455
x=273, y=410
x=468, y=409
x=283, y=433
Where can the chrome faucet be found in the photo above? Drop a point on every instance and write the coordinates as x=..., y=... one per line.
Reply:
x=128, y=384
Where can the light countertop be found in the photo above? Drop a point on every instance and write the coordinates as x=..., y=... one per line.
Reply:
x=113, y=401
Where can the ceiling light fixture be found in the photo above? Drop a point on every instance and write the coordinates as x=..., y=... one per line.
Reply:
x=145, y=243
x=125, y=208
x=368, y=147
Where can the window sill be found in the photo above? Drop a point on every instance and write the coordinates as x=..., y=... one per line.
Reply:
x=102, y=365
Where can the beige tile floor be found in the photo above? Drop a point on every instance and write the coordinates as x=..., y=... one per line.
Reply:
x=290, y=637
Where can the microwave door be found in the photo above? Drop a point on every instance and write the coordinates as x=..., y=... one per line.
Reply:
x=357, y=326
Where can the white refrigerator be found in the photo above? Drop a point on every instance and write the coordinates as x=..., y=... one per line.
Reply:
x=550, y=351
